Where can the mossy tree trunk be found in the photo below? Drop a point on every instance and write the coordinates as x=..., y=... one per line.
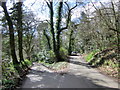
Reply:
x=20, y=30
x=12, y=40
x=56, y=38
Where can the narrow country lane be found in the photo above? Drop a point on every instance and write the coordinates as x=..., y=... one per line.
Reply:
x=77, y=75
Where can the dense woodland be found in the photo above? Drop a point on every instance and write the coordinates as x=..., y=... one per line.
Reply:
x=27, y=39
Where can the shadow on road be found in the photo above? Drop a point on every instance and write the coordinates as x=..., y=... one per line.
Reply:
x=44, y=79
x=79, y=63
x=78, y=76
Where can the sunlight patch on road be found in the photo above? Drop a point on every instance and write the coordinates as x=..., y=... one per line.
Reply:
x=93, y=75
x=35, y=67
x=39, y=86
x=61, y=81
x=34, y=77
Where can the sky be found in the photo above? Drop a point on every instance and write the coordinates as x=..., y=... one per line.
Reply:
x=43, y=13
x=35, y=6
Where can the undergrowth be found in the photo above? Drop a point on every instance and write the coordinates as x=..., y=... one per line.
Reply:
x=105, y=60
x=90, y=56
x=10, y=76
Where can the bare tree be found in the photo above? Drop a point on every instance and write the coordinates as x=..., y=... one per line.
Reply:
x=114, y=26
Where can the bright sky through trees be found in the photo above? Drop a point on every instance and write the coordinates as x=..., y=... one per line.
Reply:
x=41, y=11
x=37, y=7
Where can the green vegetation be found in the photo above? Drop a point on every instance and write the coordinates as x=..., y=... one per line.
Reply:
x=27, y=62
x=55, y=66
x=49, y=56
x=90, y=56
x=105, y=60
x=10, y=76
x=8, y=84
x=63, y=52
x=49, y=60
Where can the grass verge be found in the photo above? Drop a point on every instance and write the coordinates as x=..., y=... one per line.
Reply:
x=55, y=66
x=90, y=56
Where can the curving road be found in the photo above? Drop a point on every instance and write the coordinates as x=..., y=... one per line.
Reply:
x=77, y=75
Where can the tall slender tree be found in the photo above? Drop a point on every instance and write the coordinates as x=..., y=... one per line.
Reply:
x=11, y=34
x=50, y=5
x=48, y=39
x=20, y=30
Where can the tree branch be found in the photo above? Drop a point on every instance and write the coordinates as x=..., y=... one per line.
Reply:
x=67, y=5
x=69, y=16
x=74, y=7
x=114, y=30
x=48, y=4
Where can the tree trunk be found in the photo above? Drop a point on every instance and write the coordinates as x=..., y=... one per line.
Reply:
x=48, y=40
x=58, y=24
x=58, y=56
x=52, y=26
x=118, y=27
x=12, y=40
x=118, y=38
x=19, y=27
x=11, y=34
x=70, y=43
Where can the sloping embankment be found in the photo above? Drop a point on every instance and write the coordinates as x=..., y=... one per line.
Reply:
x=107, y=61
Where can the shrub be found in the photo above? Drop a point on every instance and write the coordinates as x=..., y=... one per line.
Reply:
x=50, y=57
x=27, y=62
x=63, y=51
x=51, y=54
x=8, y=70
x=9, y=73
x=42, y=55
x=34, y=58
x=8, y=84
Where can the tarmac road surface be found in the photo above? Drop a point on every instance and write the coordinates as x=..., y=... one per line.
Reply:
x=77, y=75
